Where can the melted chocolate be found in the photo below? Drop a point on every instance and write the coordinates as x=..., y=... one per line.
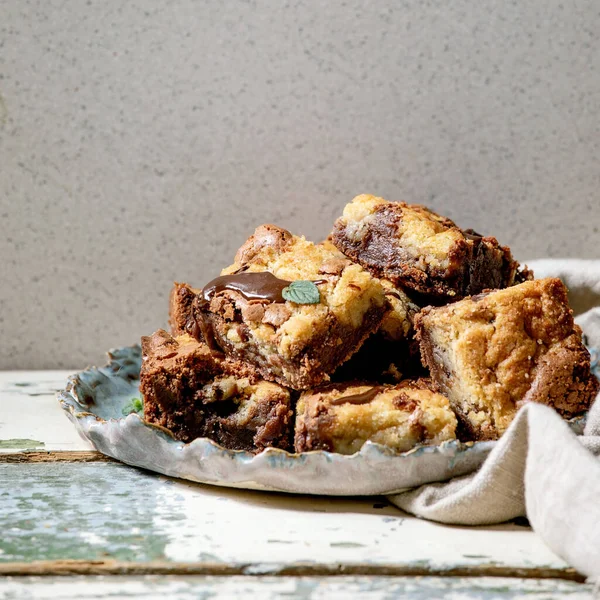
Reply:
x=361, y=398
x=252, y=286
x=209, y=335
x=191, y=327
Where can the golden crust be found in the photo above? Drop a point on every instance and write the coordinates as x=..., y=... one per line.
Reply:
x=420, y=250
x=347, y=293
x=425, y=235
x=398, y=322
x=493, y=352
x=398, y=416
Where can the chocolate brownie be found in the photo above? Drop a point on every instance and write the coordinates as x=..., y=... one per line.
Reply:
x=343, y=417
x=181, y=318
x=292, y=309
x=422, y=251
x=193, y=393
x=493, y=352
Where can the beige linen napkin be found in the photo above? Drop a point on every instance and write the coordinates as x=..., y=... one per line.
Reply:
x=539, y=468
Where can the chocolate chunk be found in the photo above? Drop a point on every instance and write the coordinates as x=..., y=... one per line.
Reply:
x=276, y=314
x=253, y=312
x=252, y=286
x=223, y=305
x=361, y=398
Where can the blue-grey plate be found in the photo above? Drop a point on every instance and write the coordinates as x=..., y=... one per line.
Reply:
x=97, y=399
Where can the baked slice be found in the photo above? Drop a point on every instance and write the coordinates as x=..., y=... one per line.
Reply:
x=492, y=353
x=193, y=393
x=181, y=317
x=397, y=324
x=342, y=417
x=422, y=251
x=391, y=353
x=294, y=339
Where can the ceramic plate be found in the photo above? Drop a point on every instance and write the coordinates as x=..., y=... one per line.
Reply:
x=97, y=399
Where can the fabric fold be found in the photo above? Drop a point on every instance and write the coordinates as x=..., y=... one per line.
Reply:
x=539, y=469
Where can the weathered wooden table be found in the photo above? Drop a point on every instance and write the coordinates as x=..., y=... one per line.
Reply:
x=78, y=525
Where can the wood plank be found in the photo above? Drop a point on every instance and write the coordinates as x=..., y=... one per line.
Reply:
x=30, y=415
x=307, y=588
x=36, y=456
x=45, y=568
x=110, y=512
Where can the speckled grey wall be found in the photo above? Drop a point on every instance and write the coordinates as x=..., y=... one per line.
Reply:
x=141, y=142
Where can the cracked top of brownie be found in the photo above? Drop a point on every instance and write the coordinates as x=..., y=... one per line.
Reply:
x=421, y=250
x=164, y=352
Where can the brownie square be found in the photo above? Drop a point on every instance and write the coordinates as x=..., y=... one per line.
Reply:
x=422, y=251
x=493, y=352
x=343, y=417
x=193, y=393
x=295, y=341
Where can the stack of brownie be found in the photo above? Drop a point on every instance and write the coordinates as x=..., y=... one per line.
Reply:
x=400, y=329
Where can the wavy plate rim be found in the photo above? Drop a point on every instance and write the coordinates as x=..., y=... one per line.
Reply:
x=116, y=437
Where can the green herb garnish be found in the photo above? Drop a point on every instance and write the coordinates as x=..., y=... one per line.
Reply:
x=302, y=292
x=134, y=406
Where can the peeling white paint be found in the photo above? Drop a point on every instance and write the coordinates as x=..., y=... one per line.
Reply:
x=305, y=588
x=32, y=412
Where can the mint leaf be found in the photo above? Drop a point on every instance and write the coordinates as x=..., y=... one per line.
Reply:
x=134, y=406
x=302, y=292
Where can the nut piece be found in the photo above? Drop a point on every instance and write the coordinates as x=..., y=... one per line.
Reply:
x=334, y=266
x=223, y=305
x=253, y=312
x=276, y=314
